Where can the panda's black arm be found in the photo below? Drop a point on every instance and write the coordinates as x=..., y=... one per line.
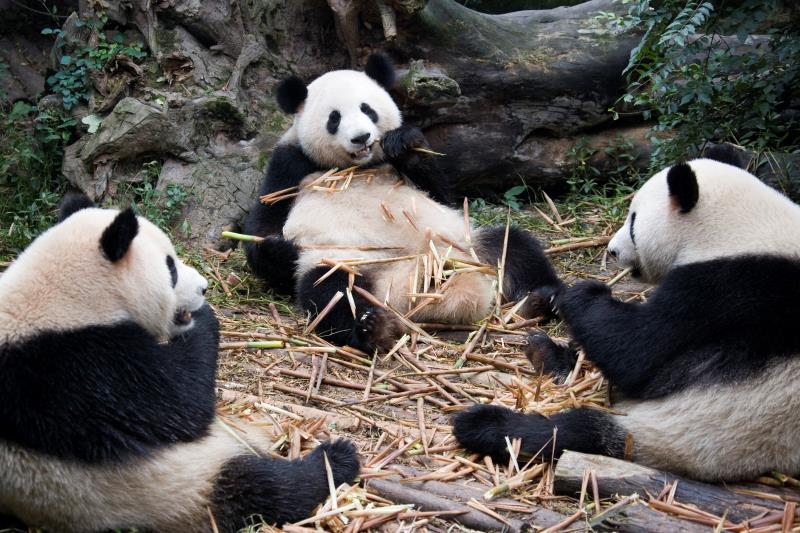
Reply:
x=421, y=168
x=724, y=317
x=287, y=168
x=274, y=259
x=107, y=393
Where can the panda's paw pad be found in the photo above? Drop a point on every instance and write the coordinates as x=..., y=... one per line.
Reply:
x=343, y=458
x=374, y=329
x=549, y=356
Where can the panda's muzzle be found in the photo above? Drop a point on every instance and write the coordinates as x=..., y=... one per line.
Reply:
x=364, y=152
x=183, y=317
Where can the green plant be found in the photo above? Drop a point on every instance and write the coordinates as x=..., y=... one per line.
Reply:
x=31, y=150
x=160, y=206
x=595, y=170
x=71, y=80
x=721, y=73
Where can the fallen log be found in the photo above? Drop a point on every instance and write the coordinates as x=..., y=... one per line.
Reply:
x=617, y=477
x=440, y=496
x=637, y=517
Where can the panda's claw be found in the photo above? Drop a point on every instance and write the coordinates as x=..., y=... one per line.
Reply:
x=374, y=329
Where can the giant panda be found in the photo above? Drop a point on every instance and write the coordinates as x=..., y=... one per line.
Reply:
x=347, y=118
x=705, y=372
x=108, y=354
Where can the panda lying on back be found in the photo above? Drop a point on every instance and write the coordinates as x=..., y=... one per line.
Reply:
x=708, y=367
x=347, y=118
x=108, y=354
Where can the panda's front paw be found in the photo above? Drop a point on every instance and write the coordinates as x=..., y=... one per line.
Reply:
x=484, y=428
x=343, y=458
x=575, y=299
x=541, y=302
x=374, y=329
x=398, y=141
x=548, y=356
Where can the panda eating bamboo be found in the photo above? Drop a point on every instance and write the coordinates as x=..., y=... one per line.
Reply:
x=108, y=354
x=706, y=371
x=373, y=227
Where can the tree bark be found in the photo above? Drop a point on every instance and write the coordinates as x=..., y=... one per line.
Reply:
x=621, y=477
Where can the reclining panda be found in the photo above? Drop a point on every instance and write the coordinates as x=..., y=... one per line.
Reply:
x=108, y=355
x=708, y=367
x=347, y=118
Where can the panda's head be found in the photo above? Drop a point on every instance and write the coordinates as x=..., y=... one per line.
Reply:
x=341, y=116
x=702, y=210
x=98, y=267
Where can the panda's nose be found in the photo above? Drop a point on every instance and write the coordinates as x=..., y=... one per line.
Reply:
x=612, y=252
x=361, y=139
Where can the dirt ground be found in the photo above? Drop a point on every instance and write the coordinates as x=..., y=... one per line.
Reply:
x=397, y=406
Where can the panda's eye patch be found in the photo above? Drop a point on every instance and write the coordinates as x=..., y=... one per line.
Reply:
x=633, y=219
x=173, y=271
x=371, y=113
x=333, y=122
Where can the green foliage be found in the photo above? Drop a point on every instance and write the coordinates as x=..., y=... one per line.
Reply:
x=690, y=74
x=31, y=150
x=162, y=207
x=71, y=80
x=595, y=170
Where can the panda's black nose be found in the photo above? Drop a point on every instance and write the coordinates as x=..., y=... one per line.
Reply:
x=612, y=252
x=361, y=139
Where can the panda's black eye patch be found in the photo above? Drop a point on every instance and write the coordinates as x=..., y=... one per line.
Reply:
x=371, y=113
x=333, y=122
x=633, y=219
x=173, y=271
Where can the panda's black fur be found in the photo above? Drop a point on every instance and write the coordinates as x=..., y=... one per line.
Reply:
x=275, y=259
x=716, y=330
x=97, y=409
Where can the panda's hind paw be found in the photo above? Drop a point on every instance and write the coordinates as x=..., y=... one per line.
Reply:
x=343, y=458
x=374, y=328
x=484, y=428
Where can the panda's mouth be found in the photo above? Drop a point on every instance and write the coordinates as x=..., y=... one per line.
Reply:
x=183, y=317
x=364, y=153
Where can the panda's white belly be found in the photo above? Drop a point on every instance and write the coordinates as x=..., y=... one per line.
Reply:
x=387, y=218
x=728, y=431
x=167, y=492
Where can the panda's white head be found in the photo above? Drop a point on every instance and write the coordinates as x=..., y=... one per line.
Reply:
x=98, y=267
x=702, y=210
x=341, y=116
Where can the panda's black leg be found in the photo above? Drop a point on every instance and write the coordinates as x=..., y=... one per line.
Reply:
x=10, y=524
x=251, y=489
x=484, y=428
x=274, y=260
x=549, y=357
x=527, y=271
x=371, y=328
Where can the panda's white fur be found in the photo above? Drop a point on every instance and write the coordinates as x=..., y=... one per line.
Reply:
x=168, y=492
x=380, y=205
x=343, y=91
x=107, y=419
x=347, y=118
x=48, y=286
x=705, y=372
x=737, y=214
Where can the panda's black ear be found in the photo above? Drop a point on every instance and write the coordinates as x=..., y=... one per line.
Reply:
x=71, y=203
x=683, y=190
x=291, y=94
x=117, y=237
x=380, y=69
x=727, y=153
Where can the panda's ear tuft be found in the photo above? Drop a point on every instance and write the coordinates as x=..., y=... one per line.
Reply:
x=381, y=69
x=291, y=94
x=71, y=203
x=683, y=190
x=117, y=237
